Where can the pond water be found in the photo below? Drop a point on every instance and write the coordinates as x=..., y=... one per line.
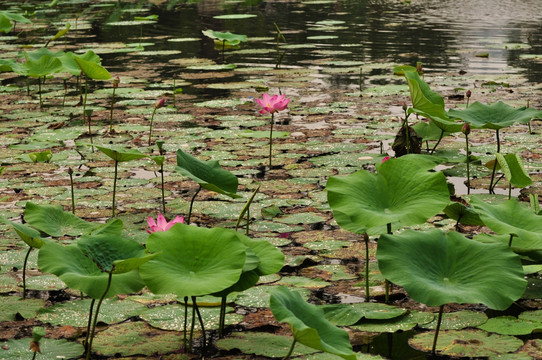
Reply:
x=479, y=37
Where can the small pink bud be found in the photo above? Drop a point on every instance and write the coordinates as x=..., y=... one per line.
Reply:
x=159, y=103
x=405, y=106
x=466, y=129
x=469, y=93
x=385, y=159
x=116, y=81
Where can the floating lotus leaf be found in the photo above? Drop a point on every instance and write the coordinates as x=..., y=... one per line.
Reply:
x=262, y=344
x=437, y=268
x=54, y=221
x=402, y=323
x=193, y=261
x=466, y=343
x=78, y=266
x=308, y=324
x=403, y=191
x=120, y=154
x=49, y=349
x=10, y=306
x=458, y=320
x=494, y=116
x=510, y=325
x=208, y=174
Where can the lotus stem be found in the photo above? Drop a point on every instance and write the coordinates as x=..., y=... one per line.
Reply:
x=111, y=110
x=97, y=312
x=457, y=223
x=191, y=204
x=491, y=185
x=438, y=141
x=185, y=321
x=407, y=134
x=366, y=239
x=191, y=326
x=174, y=89
x=150, y=127
x=510, y=241
x=290, y=351
x=223, y=48
x=271, y=139
x=163, y=194
x=360, y=81
x=439, y=321
x=222, y=318
x=89, y=323
x=114, y=187
x=386, y=281
x=65, y=92
x=24, y=271
x=468, y=164
x=39, y=90
x=70, y=172
x=195, y=304
x=248, y=222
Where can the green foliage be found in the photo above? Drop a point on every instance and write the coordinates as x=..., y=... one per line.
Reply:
x=54, y=221
x=514, y=170
x=437, y=268
x=309, y=325
x=494, y=116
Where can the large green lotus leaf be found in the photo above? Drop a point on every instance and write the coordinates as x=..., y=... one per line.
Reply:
x=510, y=325
x=494, y=116
x=463, y=214
x=509, y=217
x=54, y=221
x=271, y=258
x=49, y=349
x=308, y=324
x=81, y=273
x=232, y=39
x=114, y=253
x=10, y=306
x=466, y=343
x=402, y=323
x=92, y=69
x=349, y=314
x=38, y=54
x=513, y=169
x=121, y=155
x=70, y=65
x=403, y=191
x=437, y=268
x=193, y=261
x=5, y=23
x=208, y=174
x=30, y=236
x=247, y=280
x=423, y=98
x=15, y=17
x=46, y=65
x=112, y=227
x=262, y=344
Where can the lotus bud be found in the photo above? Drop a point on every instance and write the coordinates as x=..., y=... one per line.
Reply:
x=469, y=93
x=385, y=159
x=419, y=67
x=405, y=107
x=116, y=81
x=159, y=104
x=466, y=129
x=70, y=171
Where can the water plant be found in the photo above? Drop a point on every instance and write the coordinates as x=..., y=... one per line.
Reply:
x=437, y=268
x=38, y=333
x=280, y=37
x=494, y=116
x=100, y=265
x=271, y=105
x=466, y=131
x=246, y=210
x=6, y=19
x=119, y=154
x=208, y=174
x=161, y=224
x=116, y=81
x=309, y=325
x=159, y=104
x=223, y=40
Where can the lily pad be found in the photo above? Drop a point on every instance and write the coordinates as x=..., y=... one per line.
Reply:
x=403, y=323
x=49, y=349
x=10, y=306
x=262, y=344
x=510, y=325
x=349, y=314
x=458, y=320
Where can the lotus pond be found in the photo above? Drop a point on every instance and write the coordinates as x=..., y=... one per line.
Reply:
x=270, y=179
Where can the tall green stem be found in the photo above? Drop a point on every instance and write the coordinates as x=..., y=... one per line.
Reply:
x=290, y=351
x=24, y=271
x=468, y=164
x=271, y=139
x=439, y=321
x=89, y=350
x=491, y=186
x=150, y=127
x=386, y=281
x=115, y=187
x=438, y=141
x=111, y=111
x=366, y=239
x=195, y=305
x=39, y=90
x=222, y=317
x=70, y=172
x=185, y=322
x=192, y=204
x=89, y=323
x=163, y=193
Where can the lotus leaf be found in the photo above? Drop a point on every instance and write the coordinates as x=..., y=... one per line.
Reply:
x=403, y=191
x=512, y=167
x=194, y=261
x=308, y=324
x=208, y=174
x=54, y=221
x=349, y=314
x=50, y=349
x=92, y=69
x=228, y=37
x=121, y=155
x=437, y=268
x=494, y=116
x=30, y=236
x=78, y=265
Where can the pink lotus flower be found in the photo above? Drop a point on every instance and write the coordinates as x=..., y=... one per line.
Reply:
x=160, y=103
x=272, y=104
x=161, y=224
x=385, y=159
